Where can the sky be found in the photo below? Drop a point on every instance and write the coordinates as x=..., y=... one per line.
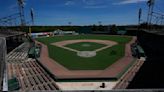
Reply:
x=81, y=12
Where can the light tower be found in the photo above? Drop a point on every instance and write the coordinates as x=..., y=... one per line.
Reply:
x=21, y=12
x=150, y=4
x=99, y=23
x=139, y=16
x=32, y=20
x=32, y=16
x=69, y=23
x=139, y=19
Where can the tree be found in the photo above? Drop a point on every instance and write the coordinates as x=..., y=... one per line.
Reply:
x=94, y=28
x=113, y=29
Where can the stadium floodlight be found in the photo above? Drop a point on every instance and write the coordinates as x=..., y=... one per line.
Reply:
x=150, y=2
x=21, y=2
x=32, y=15
x=69, y=23
x=21, y=11
x=99, y=22
x=139, y=15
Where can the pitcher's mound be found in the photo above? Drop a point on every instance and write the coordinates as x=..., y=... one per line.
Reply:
x=86, y=54
x=86, y=45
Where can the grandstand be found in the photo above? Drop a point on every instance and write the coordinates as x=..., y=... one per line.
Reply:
x=28, y=64
x=29, y=73
x=23, y=73
x=8, y=32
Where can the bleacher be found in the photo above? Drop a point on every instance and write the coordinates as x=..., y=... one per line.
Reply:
x=30, y=75
x=125, y=80
x=19, y=54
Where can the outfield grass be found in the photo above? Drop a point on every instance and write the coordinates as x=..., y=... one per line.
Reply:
x=119, y=39
x=82, y=46
x=71, y=61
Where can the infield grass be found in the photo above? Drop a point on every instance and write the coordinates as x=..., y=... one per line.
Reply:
x=85, y=46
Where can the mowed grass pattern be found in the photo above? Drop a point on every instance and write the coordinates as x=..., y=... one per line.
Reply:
x=85, y=46
x=70, y=60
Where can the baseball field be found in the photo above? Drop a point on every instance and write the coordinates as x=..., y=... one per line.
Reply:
x=86, y=52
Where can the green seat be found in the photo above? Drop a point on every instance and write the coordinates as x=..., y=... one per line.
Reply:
x=13, y=84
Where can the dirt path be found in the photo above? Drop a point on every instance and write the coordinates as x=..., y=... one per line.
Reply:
x=106, y=42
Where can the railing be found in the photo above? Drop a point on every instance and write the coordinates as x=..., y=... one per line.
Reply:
x=3, y=69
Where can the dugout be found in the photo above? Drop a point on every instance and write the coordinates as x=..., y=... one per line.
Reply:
x=137, y=51
x=34, y=51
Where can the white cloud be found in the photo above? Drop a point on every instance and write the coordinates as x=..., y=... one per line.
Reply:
x=129, y=2
x=94, y=7
x=69, y=3
x=90, y=2
x=94, y=4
